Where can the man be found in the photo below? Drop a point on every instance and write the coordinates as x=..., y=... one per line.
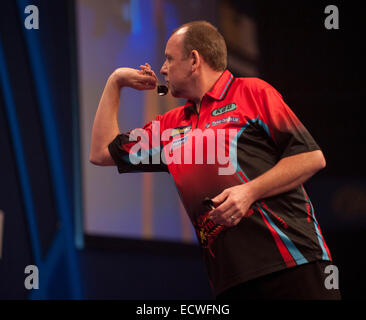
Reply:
x=260, y=238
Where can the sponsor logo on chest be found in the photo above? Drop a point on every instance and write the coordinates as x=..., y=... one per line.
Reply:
x=221, y=121
x=224, y=109
x=180, y=130
x=178, y=142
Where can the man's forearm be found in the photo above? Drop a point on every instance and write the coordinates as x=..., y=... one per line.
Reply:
x=287, y=174
x=233, y=203
x=105, y=127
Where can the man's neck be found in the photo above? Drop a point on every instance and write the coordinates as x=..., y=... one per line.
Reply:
x=205, y=84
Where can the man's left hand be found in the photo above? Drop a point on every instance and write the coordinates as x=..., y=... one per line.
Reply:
x=232, y=205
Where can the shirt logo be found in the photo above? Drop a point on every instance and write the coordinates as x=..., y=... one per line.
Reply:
x=180, y=130
x=222, y=110
x=225, y=120
x=207, y=231
x=178, y=142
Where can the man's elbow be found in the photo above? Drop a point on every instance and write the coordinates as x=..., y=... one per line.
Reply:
x=323, y=163
x=103, y=159
x=95, y=160
x=320, y=161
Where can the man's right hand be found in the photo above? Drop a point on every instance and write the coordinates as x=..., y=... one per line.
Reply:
x=144, y=79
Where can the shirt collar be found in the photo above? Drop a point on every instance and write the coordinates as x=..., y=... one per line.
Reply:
x=221, y=86
x=218, y=91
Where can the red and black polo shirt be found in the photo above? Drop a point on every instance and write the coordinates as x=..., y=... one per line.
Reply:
x=252, y=129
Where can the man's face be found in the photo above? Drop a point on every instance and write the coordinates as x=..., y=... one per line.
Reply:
x=176, y=69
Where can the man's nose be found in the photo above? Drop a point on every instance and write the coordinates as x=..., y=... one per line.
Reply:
x=163, y=69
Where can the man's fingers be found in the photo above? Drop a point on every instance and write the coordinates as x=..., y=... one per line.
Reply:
x=222, y=217
x=146, y=68
x=220, y=198
x=145, y=83
x=146, y=71
x=220, y=205
x=147, y=77
x=222, y=209
x=231, y=217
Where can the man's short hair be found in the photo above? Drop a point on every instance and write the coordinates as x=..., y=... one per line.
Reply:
x=207, y=40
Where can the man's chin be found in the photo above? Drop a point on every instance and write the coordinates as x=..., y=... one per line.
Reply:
x=175, y=94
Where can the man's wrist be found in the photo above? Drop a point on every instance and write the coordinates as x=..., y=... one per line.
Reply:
x=116, y=78
x=253, y=191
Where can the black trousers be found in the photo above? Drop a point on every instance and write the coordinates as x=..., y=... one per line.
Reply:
x=304, y=282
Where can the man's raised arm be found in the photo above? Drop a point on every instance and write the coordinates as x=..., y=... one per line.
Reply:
x=105, y=127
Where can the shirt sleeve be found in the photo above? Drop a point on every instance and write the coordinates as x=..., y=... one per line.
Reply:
x=289, y=134
x=139, y=150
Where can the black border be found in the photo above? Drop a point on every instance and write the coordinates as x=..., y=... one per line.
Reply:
x=155, y=247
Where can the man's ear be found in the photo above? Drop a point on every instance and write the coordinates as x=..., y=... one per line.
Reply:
x=196, y=60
